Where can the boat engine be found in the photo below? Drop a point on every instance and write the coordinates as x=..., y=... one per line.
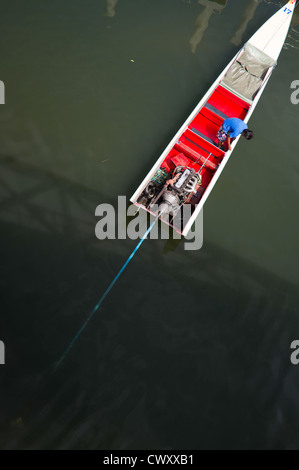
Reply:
x=179, y=189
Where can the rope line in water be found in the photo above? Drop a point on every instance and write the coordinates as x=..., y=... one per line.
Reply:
x=96, y=308
x=43, y=384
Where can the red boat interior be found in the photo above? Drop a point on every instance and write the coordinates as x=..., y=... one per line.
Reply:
x=199, y=141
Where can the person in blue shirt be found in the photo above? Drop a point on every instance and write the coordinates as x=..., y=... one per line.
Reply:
x=232, y=128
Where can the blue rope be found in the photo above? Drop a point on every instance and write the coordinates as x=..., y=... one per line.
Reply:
x=96, y=308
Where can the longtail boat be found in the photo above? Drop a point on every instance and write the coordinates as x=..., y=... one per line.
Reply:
x=188, y=169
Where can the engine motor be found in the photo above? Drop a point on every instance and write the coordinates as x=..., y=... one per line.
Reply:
x=179, y=189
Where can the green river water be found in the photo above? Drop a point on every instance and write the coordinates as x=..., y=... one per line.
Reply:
x=192, y=348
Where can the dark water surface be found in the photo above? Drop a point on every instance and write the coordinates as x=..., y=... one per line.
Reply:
x=192, y=349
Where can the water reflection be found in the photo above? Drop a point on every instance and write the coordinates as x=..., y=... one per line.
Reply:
x=248, y=15
x=40, y=200
x=211, y=7
x=110, y=8
x=202, y=21
x=227, y=356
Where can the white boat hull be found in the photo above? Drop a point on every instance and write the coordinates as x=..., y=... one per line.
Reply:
x=269, y=39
